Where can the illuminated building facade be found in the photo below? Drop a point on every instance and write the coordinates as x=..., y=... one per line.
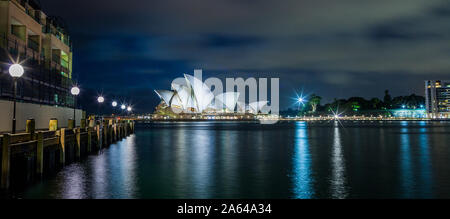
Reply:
x=437, y=98
x=41, y=44
x=409, y=113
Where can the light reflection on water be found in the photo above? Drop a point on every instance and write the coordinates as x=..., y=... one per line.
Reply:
x=203, y=151
x=406, y=163
x=249, y=160
x=425, y=177
x=302, y=163
x=338, y=167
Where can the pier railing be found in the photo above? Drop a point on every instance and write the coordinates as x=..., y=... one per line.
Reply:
x=27, y=156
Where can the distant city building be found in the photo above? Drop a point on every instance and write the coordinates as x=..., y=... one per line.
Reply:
x=437, y=98
x=409, y=113
x=43, y=46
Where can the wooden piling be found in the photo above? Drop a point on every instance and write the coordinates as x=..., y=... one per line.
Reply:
x=77, y=132
x=6, y=156
x=62, y=147
x=126, y=128
x=89, y=140
x=53, y=125
x=91, y=123
x=40, y=154
x=99, y=138
x=30, y=126
x=83, y=123
x=120, y=130
x=115, y=133
x=110, y=134
x=71, y=124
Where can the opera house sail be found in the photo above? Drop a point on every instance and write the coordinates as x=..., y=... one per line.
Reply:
x=192, y=96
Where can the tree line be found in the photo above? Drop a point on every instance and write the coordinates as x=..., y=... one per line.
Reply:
x=356, y=105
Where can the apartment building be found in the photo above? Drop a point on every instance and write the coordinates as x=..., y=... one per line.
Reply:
x=42, y=45
x=437, y=98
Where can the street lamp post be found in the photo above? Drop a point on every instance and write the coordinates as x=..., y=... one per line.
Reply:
x=16, y=71
x=75, y=91
x=114, y=104
x=100, y=100
x=129, y=110
x=123, y=107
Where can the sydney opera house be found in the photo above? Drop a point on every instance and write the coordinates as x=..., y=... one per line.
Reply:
x=191, y=98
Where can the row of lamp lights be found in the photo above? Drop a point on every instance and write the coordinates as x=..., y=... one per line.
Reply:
x=16, y=71
x=76, y=90
x=101, y=99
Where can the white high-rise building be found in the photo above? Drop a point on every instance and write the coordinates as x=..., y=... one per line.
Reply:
x=437, y=98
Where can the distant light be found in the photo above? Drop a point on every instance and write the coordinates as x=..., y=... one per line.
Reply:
x=403, y=106
x=114, y=103
x=421, y=106
x=336, y=116
x=122, y=107
x=300, y=100
x=129, y=108
x=101, y=99
x=16, y=70
x=75, y=90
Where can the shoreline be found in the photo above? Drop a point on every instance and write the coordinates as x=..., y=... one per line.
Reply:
x=288, y=120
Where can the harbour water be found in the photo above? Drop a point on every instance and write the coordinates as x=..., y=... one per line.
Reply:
x=396, y=159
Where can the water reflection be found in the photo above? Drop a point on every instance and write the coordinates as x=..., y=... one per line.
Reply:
x=202, y=155
x=128, y=167
x=180, y=161
x=338, y=189
x=425, y=164
x=75, y=185
x=229, y=163
x=100, y=180
x=405, y=163
x=302, y=163
x=238, y=160
x=110, y=174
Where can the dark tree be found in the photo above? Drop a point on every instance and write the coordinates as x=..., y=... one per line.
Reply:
x=387, y=99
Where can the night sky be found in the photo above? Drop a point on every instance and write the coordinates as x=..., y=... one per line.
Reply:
x=126, y=49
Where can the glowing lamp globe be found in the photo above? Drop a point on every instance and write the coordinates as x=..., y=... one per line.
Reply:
x=114, y=103
x=101, y=99
x=129, y=109
x=16, y=70
x=75, y=90
x=122, y=107
x=300, y=100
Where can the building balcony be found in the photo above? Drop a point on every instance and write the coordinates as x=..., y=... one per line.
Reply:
x=33, y=45
x=17, y=47
x=51, y=29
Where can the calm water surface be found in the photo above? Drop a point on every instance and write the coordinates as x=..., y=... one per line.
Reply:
x=249, y=160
